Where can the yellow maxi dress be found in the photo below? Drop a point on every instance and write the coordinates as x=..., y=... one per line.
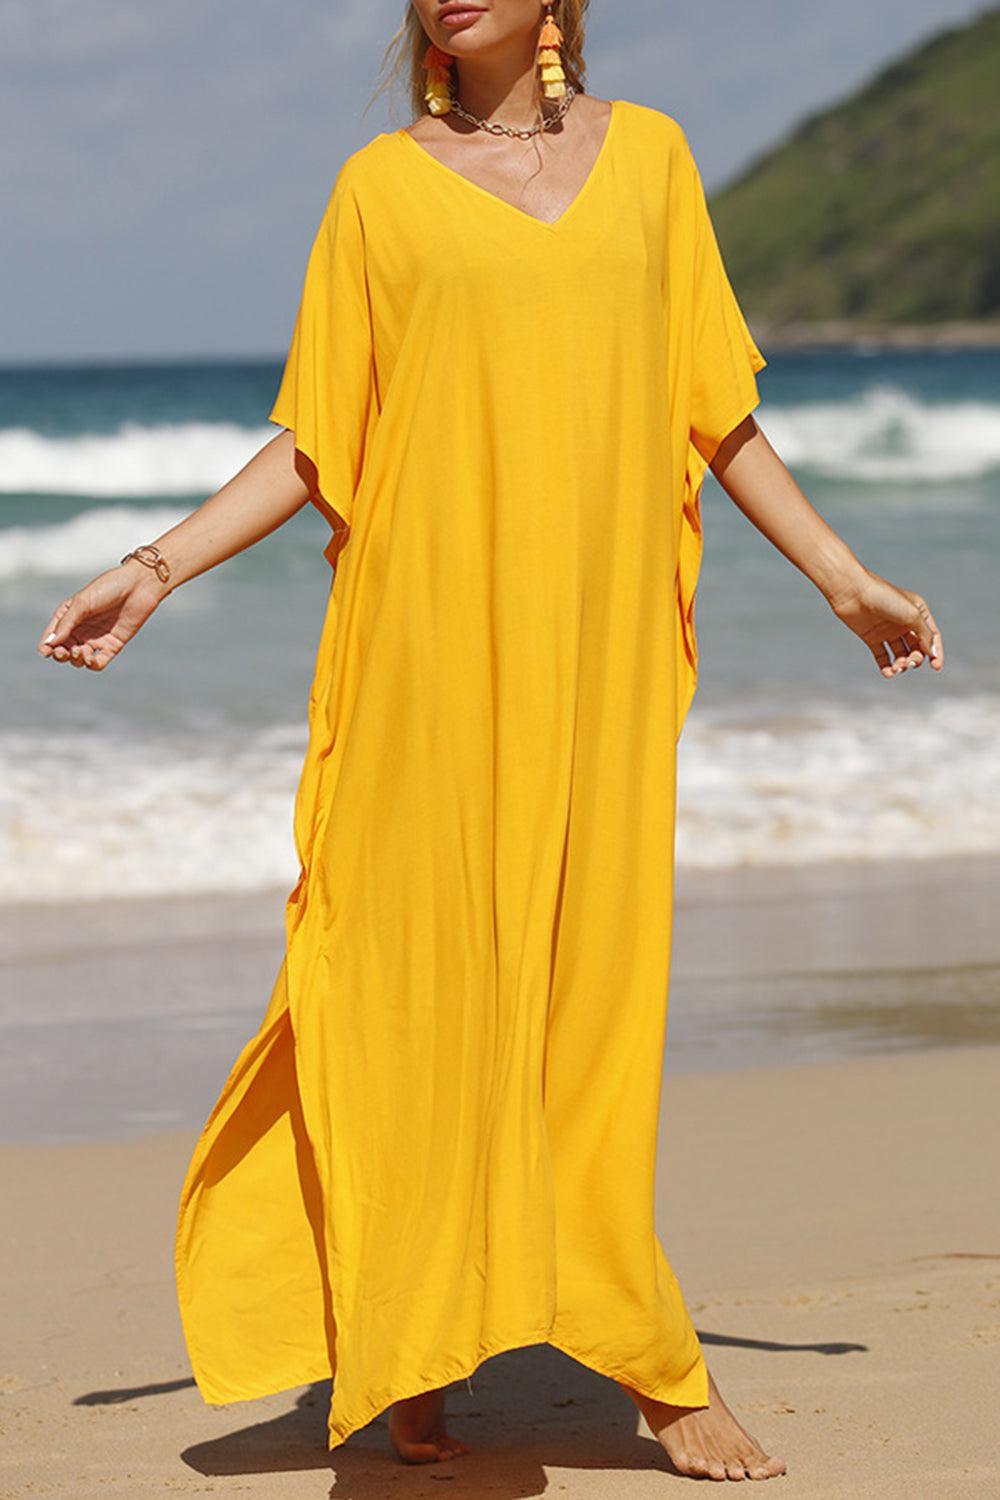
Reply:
x=440, y=1143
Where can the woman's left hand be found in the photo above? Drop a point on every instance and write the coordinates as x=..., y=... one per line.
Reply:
x=887, y=619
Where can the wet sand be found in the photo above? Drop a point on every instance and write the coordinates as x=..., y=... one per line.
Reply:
x=120, y=1017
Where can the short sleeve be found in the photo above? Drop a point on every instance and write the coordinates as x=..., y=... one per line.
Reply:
x=327, y=395
x=724, y=357
x=714, y=365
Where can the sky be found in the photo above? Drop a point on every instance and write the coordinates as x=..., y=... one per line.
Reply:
x=164, y=163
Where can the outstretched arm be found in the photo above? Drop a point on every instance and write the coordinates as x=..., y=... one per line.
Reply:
x=880, y=614
x=90, y=627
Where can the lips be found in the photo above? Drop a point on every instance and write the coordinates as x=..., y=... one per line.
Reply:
x=459, y=15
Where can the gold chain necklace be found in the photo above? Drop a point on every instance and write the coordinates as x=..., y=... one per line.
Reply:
x=495, y=128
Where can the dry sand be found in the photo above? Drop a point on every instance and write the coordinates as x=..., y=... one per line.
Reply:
x=834, y=1226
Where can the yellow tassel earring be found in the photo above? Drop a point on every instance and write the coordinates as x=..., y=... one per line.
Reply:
x=438, y=89
x=553, y=79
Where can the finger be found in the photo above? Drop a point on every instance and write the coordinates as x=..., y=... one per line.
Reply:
x=79, y=653
x=881, y=656
x=71, y=617
x=909, y=648
x=916, y=648
x=901, y=652
x=53, y=630
x=928, y=634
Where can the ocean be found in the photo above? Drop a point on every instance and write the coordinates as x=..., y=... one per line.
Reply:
x=175, y=770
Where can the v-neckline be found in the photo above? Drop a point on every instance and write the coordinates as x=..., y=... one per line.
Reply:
x=549, y=224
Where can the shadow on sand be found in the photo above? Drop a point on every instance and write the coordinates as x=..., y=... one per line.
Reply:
x=529, y=1411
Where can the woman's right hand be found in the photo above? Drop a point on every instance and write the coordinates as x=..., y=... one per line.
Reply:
x=90, y=627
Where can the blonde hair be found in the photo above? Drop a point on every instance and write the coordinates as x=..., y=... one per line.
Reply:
x=404, y=55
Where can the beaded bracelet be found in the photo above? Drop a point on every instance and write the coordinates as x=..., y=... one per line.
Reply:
x=155, y=560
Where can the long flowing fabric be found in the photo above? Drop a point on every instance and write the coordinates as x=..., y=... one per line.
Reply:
x=441, y=1142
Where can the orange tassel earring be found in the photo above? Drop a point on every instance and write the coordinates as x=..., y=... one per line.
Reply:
x=438, y=89
x=553, y=79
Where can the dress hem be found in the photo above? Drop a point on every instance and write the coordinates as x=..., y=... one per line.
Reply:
x=340, y=1432
x=610, y=1373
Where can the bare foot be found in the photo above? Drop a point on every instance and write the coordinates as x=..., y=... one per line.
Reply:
x=706, y=1442
x=417, y=1431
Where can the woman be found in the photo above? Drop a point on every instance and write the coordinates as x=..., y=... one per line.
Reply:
x=515, y=356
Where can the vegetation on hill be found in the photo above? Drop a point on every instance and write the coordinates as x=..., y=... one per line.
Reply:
x=886, y=207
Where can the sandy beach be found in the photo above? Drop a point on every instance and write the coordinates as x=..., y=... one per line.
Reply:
x=833, y=1222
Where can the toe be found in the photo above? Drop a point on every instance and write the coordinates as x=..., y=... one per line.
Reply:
x=735, y=1469
x=418, y=1453
x=684, y=1462
x=758, y=1469
x=718, y=1465
x=761, y=1465
x=448, y=1446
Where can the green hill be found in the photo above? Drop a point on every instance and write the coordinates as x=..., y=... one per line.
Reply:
x=886, y=207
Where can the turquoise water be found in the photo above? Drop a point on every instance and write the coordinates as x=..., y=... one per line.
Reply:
x=795, y=750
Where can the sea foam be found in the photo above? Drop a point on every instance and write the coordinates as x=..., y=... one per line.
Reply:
x=840, y=781
x=883, y=434
x=886, y=435
x=87, y=543
x=168, y=458
x=824, y=781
